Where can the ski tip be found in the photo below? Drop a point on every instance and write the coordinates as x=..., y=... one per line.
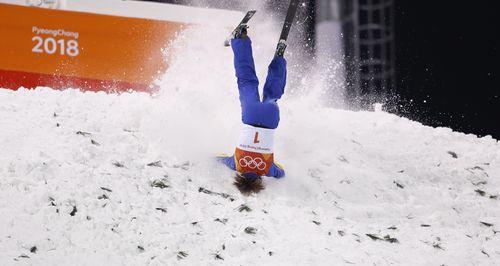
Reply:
x=250, y=14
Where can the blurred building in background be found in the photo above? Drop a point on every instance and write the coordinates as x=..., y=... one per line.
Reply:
x=370, y=49
x=361, y=34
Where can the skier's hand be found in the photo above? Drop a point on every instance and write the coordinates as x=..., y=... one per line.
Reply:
x=227, y=160
x=276, y=171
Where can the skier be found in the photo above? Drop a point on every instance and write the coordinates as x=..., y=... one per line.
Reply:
x=254, y=155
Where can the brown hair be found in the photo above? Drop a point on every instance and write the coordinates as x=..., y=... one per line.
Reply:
x=247, y=186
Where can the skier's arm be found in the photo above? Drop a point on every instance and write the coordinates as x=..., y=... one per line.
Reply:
x=228, y=161
x=245, y=70
x=276, y=171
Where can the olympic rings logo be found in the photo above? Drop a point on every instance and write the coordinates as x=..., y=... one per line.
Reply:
x=252, y=163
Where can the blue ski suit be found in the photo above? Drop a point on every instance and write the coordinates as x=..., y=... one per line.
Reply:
x=257, y=113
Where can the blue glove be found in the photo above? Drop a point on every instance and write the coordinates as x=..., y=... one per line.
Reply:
x=228, y=161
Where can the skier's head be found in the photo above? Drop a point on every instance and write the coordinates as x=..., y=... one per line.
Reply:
x=248, y=183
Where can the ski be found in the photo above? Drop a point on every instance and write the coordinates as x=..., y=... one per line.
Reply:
x=243, y=22
x=282, y=43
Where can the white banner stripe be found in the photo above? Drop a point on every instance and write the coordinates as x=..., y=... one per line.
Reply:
x=256, y=139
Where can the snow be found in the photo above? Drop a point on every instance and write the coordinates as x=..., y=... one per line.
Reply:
x=80, y=176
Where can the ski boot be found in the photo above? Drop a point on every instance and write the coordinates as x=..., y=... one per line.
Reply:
x=280, y=50
x=241, y=32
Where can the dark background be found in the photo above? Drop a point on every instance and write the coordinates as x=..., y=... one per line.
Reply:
x=447, y=64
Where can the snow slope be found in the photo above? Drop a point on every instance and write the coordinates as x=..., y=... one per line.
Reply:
x=81, y=177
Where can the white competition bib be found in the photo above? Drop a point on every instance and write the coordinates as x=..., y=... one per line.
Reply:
x=256, y=139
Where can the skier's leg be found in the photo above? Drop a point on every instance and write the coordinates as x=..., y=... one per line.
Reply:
x=273, y=90
x=254, y=112
x=245, y=70
x=276, y=80
x=265, y=114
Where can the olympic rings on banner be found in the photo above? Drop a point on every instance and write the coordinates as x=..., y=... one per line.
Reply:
x=253, y=163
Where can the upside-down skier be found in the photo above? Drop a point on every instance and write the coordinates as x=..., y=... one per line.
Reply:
x=254, y=153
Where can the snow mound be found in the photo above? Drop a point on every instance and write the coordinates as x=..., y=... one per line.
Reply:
x=97, y=179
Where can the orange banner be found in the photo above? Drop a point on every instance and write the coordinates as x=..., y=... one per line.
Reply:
x=43, y=47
